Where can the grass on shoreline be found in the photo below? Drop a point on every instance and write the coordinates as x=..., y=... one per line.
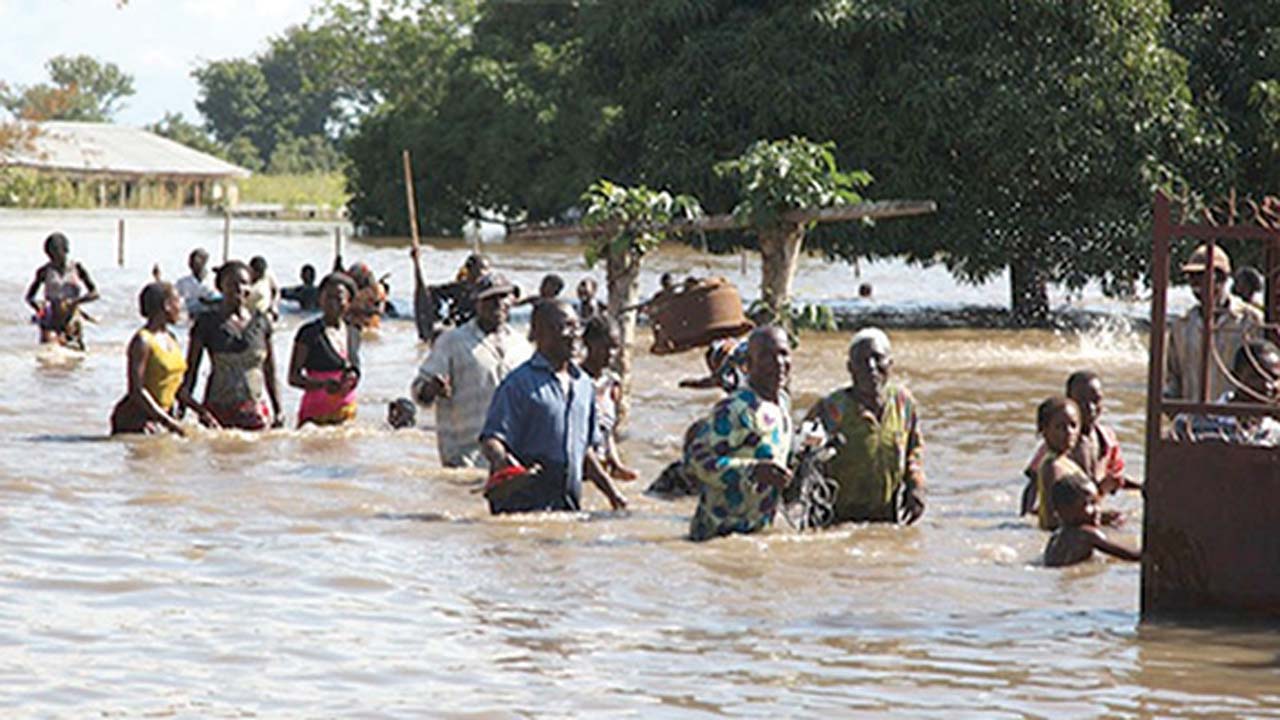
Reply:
x=292, y=191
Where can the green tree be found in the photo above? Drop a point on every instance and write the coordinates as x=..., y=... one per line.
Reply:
x=81, y=88
x=310, y=155
x=177, y=128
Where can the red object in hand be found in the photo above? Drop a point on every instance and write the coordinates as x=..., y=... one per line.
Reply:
x=504, y=475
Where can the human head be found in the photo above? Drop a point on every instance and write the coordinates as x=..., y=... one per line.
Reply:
x=864, y=291
x=1085, y=388
x=233, y=281
x=336, y=291
x=308, y=275
x=361, y=274
x=550, y=286
x=768, y=361
x=870, y=360
x=402, y=413
x=160, y=300
x=667, y=281
x=257, y=267
x=1075, y=501
x=476, y=267
x=197, y=261
x=602, y=339
x=1247, y=283
x=492, y=297
x=555, y=330
x=1058, y=420
x=1199, y=263
x=57, y=247
x=1257, y=366
x=587, y=288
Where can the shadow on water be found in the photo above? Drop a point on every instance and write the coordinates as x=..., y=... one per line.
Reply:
x=68, y=438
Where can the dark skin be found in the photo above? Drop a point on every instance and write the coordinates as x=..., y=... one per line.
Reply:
x=140, y=353
x=1089, y=396
x=1080, y=535
x=869, y=365
x=556, y=336
x=491, y=314
x=57, y=255
x=234, y=308
x=768, y=371
x=335, y=299
x=601, y=353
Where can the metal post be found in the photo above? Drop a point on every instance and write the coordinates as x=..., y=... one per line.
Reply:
x=1206, y=342
x=120, y=242
x=337, y=242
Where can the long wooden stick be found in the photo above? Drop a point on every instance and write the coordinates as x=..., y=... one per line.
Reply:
x=413, y=206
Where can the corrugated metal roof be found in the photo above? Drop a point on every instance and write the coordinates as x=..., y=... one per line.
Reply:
x=115, y=149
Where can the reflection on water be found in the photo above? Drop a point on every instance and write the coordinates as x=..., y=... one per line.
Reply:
x=329, y=572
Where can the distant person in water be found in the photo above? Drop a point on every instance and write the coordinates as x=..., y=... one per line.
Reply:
x=264, y=288
x=588, y=305
x=726, y=362
x=1076, y=503
x=370, y=300
x=454, y=300
x=602, y=339
x=864, y=291
x=549, y=289
x=67, y=286
x=1248, y=285
x=155, y=367
x=879, y=469
x=541, y=426
x=402, y=413
x=197, y=290
x=464, y=368
x=1234, y=321
x=325, y=363
x=1257, y=366
x=237, y=338
x=307, y=295
x=1096, y=451
x=740, y=453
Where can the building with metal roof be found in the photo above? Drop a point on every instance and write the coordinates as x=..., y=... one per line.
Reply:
x=126, y=167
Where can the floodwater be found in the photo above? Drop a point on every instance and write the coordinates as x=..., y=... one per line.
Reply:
x=340, y=573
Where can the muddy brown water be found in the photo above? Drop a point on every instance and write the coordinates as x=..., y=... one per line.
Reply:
x=339, y=573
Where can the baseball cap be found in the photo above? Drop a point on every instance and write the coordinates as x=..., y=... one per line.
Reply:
x=1199, y=260
x=491, y=285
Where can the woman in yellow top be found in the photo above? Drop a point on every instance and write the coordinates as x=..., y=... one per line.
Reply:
x=156, y=367
x=1058, y=420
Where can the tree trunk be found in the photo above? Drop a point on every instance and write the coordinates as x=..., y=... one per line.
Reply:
x=780, y=253
x=622, y=274
x=1029, y=296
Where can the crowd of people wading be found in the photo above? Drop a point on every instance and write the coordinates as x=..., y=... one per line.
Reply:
x=540, y=410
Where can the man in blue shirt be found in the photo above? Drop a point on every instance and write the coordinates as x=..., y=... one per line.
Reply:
x=543, y=418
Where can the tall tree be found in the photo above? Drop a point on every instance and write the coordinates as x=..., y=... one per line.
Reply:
x=81, y=88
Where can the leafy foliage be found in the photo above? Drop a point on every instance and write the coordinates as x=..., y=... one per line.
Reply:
x=81, y=88
x=636, y=216
x=777, y=177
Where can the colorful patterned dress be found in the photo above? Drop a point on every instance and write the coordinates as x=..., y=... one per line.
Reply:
x=743, y=430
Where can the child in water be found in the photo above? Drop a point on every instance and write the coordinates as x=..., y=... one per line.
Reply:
x=402, y=413
x=1058, y=421
x=1076, y=503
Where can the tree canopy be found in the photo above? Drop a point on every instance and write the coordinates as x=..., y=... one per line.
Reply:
x=80, y=88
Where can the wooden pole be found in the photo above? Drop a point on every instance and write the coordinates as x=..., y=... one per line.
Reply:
x=337, y=242
x=120, y=242
x=409, y=195
x=226, y=235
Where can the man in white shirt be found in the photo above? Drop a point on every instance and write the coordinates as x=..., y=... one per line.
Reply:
x=466, y=365
x=197, y=290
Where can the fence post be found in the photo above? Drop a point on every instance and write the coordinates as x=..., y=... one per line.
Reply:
x=120, y=242
x=226, y=235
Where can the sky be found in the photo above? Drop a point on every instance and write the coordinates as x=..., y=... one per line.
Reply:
x=158, y=42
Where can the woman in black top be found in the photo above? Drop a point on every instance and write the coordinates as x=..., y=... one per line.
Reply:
x=326, y=357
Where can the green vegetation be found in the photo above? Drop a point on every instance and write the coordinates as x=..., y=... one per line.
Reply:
x=324, y=190
x=81, y=88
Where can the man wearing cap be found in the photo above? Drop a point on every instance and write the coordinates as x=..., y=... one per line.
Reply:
x=465, y=366
x=879, y=468
x=1234, y=322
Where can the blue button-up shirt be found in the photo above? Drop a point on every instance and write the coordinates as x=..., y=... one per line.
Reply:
x=540, y=422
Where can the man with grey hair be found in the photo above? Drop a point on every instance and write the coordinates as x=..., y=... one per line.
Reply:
x=879, y=468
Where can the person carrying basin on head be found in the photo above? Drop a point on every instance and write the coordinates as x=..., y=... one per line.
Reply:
x=464, y=368
x=238, y=340
x=541, y=425
x=155, y=367
x=880, y=467
x=325, y=362
x=67, y=286
x=1234, y=322
x=739, y=455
